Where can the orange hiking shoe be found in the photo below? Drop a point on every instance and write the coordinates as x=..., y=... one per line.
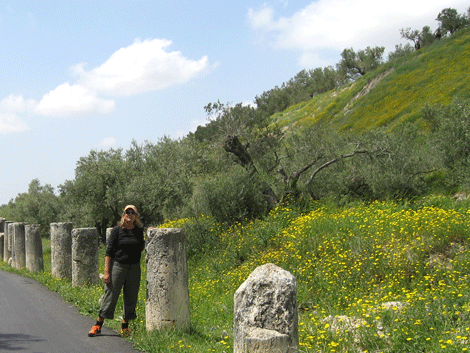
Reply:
x=95, y=330
x=125, y=332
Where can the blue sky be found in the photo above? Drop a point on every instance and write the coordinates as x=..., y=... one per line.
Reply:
x=82, y=75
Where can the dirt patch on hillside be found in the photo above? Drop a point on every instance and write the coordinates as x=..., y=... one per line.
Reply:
x=369, y=87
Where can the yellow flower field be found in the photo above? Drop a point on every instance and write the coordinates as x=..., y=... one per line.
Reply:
x=382, y=277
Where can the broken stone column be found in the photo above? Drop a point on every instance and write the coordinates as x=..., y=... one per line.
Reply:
x=265, y=312
x=61, y=250
x=33, y=248
x=85, y=259
x=261, y=340
x=19, y=250
x=167, y=304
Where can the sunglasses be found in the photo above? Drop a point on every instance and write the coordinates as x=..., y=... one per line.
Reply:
x=130, y=212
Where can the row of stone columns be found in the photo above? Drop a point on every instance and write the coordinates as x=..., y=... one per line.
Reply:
x=21, y=245
x=75, y=256
x=75, y=253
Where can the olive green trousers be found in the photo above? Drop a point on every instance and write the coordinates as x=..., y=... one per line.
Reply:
x=126, y=278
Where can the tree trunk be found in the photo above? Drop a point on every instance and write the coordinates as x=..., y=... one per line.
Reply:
x=233, y=145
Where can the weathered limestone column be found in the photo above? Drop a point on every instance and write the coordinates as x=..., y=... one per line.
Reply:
x=19, y=250
x=33, y=248
x=265, y=312
x=85, y=260
x=6, y=243
x=108, y=234
x=61, y=250
x=11, y=240
x=2, y=236
x=261, y=340
x=2, y=244
x=167, y=303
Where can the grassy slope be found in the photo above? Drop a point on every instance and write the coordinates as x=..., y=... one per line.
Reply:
x=434, y=75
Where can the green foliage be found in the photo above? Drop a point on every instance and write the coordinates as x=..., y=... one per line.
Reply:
x=229, y=197
x=202, y=235
x=305, y=85
x=39, y=205
x=354, y=65
x=451, y=124
x=96, y=196
x=160, y=178
x=420, y=39
x=400, y=51
x=451, y=21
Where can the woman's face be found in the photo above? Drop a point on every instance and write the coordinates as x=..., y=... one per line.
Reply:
x=129, y=215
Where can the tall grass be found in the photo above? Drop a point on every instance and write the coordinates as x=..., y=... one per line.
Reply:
x=379, y=277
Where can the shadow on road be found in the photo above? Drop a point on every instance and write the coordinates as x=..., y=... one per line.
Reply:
x=15, y=341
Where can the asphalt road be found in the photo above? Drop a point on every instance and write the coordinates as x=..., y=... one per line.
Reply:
x=34, y=319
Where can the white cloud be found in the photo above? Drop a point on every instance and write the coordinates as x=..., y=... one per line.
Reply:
x=141, y=67
x=17, y=104
x=262, y=19
x=71, y=100
x=333, y=25
x=9, y=124
x=10, y=107
x=107, y=142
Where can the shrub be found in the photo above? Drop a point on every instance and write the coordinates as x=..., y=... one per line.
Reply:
x=229, y=197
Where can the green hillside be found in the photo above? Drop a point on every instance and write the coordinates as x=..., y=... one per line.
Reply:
x=394, y=93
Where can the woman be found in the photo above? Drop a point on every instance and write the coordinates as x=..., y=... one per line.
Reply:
x=124, y=248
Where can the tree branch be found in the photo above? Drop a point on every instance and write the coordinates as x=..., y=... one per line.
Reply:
x=334, y=160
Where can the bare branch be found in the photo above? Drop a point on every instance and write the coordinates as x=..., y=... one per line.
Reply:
x=334, y=160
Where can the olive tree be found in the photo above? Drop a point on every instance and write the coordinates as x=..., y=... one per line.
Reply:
x=450, y=21
x=95, y=197
x=355, y=64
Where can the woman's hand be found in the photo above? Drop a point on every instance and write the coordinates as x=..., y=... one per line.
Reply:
x=107, y=278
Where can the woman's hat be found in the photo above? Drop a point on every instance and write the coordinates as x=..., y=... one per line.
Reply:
x=131, y=207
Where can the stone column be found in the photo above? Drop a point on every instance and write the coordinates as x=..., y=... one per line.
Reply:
x=85, y=260
x=265, y=312
x=261, y=340
x=61, y=250
x=33, y=248
x=19, y=250
x=167, y=303
x=6, y=243
x=2, y=244
x=108, y=234
x=2, y=236
x=11, y=243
